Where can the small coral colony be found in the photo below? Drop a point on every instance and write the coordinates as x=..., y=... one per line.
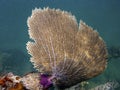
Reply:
x=63, y=52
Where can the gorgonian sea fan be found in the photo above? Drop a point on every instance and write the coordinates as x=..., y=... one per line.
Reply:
x=69, y=52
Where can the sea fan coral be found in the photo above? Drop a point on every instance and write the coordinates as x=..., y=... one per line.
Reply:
x=65, y=51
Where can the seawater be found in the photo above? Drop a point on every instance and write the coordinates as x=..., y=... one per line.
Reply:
x=102, y=15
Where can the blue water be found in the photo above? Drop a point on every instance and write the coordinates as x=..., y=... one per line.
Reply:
x=102, y=15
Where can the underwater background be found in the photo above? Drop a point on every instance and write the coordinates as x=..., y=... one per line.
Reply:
x=102, y=15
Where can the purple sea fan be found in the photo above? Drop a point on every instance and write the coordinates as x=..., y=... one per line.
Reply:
x=67, y=52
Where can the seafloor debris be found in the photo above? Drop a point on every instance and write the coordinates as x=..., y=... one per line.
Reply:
x=112, y=85
x=64, y=52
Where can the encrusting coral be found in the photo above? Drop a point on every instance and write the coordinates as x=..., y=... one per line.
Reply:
x=61, y=50
x=11, y=82
x=31, y=81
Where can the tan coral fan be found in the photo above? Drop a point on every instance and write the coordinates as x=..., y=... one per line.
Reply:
x=60, y=46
